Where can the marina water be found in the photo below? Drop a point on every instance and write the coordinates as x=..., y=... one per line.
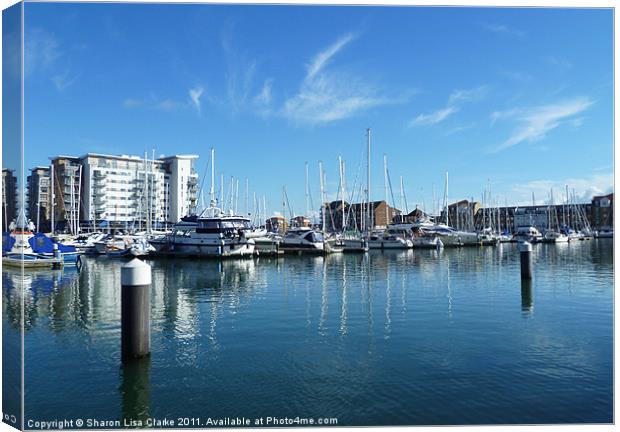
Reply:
x=405, y=337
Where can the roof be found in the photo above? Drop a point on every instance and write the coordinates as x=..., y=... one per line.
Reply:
x=179, y=157
x=373, y=204
x=600, y=197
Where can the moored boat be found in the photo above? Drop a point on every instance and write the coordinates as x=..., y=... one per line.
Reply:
x=303, y=240
x=211, y=234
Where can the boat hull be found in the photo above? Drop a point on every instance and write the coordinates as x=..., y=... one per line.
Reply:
x=32, y=262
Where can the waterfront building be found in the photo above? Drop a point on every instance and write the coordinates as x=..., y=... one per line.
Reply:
x=129, y=192
x=461, y=214
x=413, y=216
x=601, y=212
x=135, y=193
x=9, y=197
x=66, y=179
x=356, y=215
x=532, y=216
x=300, y=222
x=39, y=197
x=276, y=224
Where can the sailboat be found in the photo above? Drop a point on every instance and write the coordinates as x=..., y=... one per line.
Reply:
x=17, y=249
x=555, y=234
x=349, y=241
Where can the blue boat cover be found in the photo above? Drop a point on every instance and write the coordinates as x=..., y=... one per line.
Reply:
x=43, y=244
x=7, y=242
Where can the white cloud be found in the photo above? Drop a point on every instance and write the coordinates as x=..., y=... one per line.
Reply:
x=584, y=187
x=263, y=100
x=516, y=75
x=328, y=95
x=44, y=58
x=469, y=95
x=433, y=118
x=63, y=80
x=132, y=103
x=535, y=123
x=503, y=29
x=457, y=97
x=155, y=102
x=41, y=51
x=498, y=115
x=195, y=94
x=558, y=62
x=169, y=105
x=322, y=58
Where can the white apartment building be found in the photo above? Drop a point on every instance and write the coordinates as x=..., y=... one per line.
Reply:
x=134, y=192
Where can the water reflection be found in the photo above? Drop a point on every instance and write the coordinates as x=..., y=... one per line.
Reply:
x=527, y=303
x=358, y=335
x=135, y=388
x=40, y=291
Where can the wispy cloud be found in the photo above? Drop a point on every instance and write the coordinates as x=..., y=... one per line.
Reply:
x=327, y=94
x=456, y=99
x=195, y=94
x=240, y=72
x=45, y=58
x=41, y=51
x=63, y=80
x=535, y=123
x=503, y=29
x=322, y=58
x=262, y=102
x=516, y=75
x=153, y=101
x=558, y=62
x=434, y=117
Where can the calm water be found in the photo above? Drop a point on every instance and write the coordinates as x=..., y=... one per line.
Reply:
x=414, y=337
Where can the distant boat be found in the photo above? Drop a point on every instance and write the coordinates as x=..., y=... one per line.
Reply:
x=17, y=251
x=43, y=245
x=269, y=244
x=212, y=234
x=604, y=233
x=303, y=240
x=388, y=240
x=552, y=236
x=353, y=243
x=528, y=234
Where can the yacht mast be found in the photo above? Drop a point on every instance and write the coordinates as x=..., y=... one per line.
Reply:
x=307, y=193
x=402, y=196
x=446, y=200
x=322, y=197
x=341, y=190
x=38, y=203
x=237, y=198
x=212, y=190
x=79, y=199
x=368, y=209
x=53, y=196
x=153, y=192
x=247, y=192
x=385, y=184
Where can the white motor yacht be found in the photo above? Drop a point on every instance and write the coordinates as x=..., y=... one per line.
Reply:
x=388, y=240
x=303, y=240
x=211, y=234
x=552, y=236
x=528, y=234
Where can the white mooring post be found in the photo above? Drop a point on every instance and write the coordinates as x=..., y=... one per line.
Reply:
x=525, y=251
x=135, y=309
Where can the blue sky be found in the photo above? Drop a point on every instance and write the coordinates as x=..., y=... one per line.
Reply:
x=518, y=100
